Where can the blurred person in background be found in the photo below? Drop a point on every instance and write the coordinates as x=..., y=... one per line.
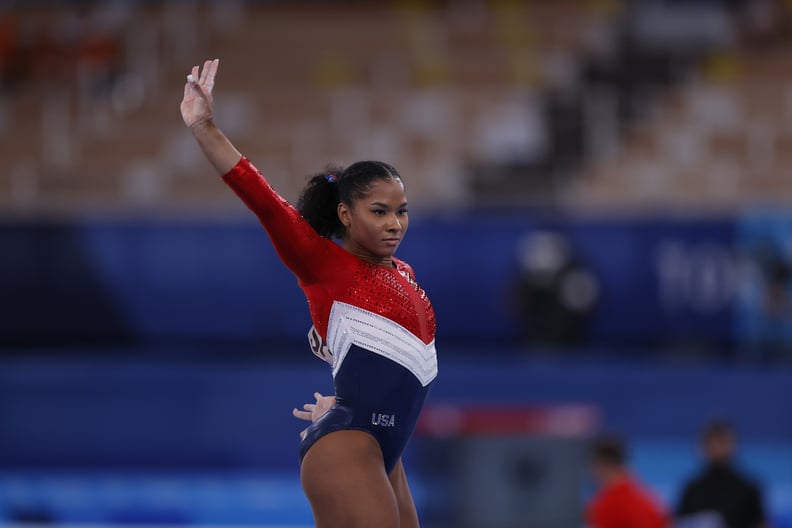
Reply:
x=557, y=292
x=774, y=311
x=621, y=502
x=372, y=321
x=720, y=494
x=9, y=52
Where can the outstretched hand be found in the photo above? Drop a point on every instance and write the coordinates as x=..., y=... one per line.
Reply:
x=196, y=106
x=314, y=411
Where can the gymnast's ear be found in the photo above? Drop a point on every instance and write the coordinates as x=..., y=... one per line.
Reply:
x=344, y=214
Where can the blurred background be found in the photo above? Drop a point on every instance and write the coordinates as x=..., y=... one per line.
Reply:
x=601, y=212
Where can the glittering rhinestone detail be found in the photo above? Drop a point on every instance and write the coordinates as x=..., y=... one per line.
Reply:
x=381, y=290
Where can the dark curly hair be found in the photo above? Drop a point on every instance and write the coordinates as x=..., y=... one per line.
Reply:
x=319, y=199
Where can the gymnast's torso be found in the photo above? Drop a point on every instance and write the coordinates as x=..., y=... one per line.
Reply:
x=374, y=324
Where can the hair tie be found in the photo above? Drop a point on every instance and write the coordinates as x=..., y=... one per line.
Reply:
x=331, y=178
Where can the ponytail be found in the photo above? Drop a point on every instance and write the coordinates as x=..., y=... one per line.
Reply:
x=318, y=203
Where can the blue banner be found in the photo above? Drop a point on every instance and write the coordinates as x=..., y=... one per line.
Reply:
x=492, y=277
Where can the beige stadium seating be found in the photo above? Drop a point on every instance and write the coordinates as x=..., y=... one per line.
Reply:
x=716, y=142
x=300, y=86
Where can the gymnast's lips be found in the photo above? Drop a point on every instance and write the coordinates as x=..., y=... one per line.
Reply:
x=392, y=241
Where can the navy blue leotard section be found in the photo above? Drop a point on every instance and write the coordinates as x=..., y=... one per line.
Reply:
x=375, y=395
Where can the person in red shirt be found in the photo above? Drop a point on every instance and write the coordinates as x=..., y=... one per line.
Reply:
x=622, y=502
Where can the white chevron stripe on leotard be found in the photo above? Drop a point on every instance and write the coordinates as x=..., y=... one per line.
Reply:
x=350, y=325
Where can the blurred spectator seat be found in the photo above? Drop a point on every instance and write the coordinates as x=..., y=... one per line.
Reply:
x=720, y=140
x=301, y=85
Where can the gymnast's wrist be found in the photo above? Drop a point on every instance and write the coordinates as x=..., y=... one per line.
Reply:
x=203, y=126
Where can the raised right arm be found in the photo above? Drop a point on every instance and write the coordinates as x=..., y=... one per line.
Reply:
x=196, y=109
x=299, y=246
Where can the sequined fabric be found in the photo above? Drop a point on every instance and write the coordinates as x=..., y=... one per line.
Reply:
x=394, y=294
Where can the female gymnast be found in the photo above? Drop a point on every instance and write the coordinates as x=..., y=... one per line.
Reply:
x=372, y=322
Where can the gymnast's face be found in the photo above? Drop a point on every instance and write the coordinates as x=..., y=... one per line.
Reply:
x=376, y=222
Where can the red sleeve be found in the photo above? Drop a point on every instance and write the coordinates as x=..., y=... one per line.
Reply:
x=601, y=513
x=622, y=506
x=298, y=245
x=593, y=515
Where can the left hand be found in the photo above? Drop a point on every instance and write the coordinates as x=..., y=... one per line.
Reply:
x=314, y=411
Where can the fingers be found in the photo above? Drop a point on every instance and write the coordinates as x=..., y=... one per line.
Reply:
x=310, y=409
x=302, y=415
x=204, y=72
x=209, y=71
x=202, y=80
x=194, y=84
x=192, y=78
x=210, y=77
